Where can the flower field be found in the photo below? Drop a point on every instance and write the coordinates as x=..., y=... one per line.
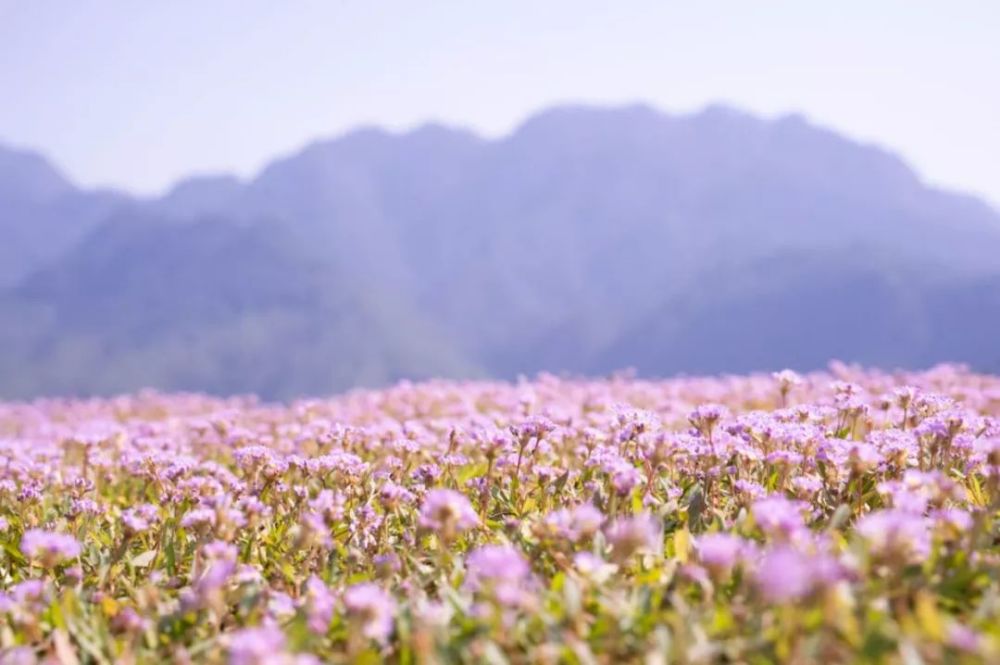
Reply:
x=839, y=517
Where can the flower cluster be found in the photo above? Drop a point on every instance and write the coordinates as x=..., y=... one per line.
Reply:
x=849, y=516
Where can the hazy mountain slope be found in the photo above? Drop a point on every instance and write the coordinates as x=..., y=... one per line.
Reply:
x=591, y=219
x=41, y=213
x=587, y=240
x=27, y=175
x=197, y=197
x=208, y=305
x=965, y=323
x=794, y=310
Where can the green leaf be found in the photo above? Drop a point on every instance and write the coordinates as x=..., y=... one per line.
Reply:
x=696, y=505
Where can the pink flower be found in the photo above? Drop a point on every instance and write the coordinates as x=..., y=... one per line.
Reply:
x=786, y=574
x=963, y=638
x=372, y=608
x=447, y=513
x=499, y=571
x=896, y=534
x=720, y=552
x=636, y=534
x=319, y=605
x=705, y=417
x=574, y=524
x=49, y=548
x=256, y=646
x=592, y=567
x=779, y=517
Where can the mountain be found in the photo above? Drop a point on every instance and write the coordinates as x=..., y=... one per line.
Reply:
x=199, y=196
x=41, y=213
x=587, y=240
x=208, y=305
x=26, y=175
x=806, y=308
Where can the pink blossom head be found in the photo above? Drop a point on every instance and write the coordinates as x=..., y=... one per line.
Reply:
x=778, y=516
x=636, y=534
x=49, y=548
x=720, y=552
x=372, y=608
x=447, y=513
x=786, y=574
x=256, y=646
x=498, y=571
x=896, y=535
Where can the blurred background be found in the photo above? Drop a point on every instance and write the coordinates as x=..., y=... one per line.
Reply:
x=300, y=198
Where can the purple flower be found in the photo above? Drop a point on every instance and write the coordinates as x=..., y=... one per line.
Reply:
x=807, y=486
x=963, y=638
x=280, y=606
x=19, y=656
x=218, y=566
x=49, y=548
x=532, y=427
x=954, y=521
x=786, y=380
x=863, y=458
x=624, y=479
x=592, y=567
x=199, y=518
x=635, y=534
x=447, y=513
x=28, y=596
x=219, y=549
x=705, y=417
x=720, y=552
x=252, y=458
x=748, y=490
x=904, y=396
x=372, y=608
x=785, y=574
x=495, y=562
x=330, y=505
x=391, y=494
x=779, y=517
x=256, y=646
x=83, y=507
x=129, y=621
x=427, y=473
x=574, y=524
x=139, y=519
x=896, y=534
x=319, y=605
x=499, y=571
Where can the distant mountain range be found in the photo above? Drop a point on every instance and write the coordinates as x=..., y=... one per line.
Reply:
x=586, y=241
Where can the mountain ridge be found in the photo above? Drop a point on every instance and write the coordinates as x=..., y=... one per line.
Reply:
x=585, y=240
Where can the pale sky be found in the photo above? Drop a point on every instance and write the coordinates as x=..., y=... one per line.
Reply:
x=139, y=94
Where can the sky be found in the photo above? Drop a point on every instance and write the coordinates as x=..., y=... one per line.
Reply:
x=137, y=95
